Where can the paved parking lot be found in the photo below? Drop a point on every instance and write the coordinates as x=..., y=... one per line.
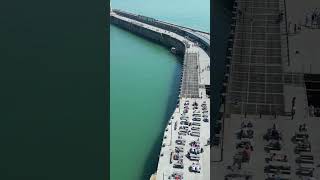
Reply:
x=256, y=84
x=190, y=81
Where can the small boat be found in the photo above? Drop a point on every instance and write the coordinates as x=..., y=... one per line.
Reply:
x=173, y=50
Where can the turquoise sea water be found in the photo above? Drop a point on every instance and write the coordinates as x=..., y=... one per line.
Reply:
x=191, y=13
x=144, y=85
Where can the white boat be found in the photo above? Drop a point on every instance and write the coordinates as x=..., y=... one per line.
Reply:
x=173, y=50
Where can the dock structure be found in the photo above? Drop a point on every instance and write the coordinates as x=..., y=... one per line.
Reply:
x=185, y=149
x=270, y=116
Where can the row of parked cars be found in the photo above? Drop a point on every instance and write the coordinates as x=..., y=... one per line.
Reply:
x=277, y=166
x=243, y=152
x=304, y=158
x=190, y=124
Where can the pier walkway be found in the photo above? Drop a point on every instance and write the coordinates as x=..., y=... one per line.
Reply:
x=185, y=149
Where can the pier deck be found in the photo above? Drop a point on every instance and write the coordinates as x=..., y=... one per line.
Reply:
x=185, y=150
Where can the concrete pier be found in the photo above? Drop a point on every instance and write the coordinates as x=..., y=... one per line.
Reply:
x=202, y=38
x=185, y=149
x=152, y=33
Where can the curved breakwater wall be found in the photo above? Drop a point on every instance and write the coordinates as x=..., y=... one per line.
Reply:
x=167, y=26
x=157, y=37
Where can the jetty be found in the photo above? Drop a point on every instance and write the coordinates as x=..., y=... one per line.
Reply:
x=269, y=118
x=185, y=148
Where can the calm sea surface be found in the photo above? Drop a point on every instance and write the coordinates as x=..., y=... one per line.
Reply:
x=144, y=85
